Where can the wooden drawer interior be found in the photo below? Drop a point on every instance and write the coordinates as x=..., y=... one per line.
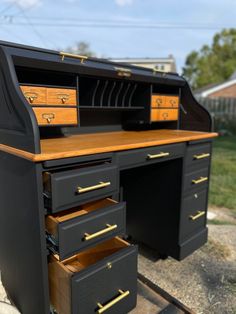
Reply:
x=52, y=221
x=61, y=273
x=55, y=116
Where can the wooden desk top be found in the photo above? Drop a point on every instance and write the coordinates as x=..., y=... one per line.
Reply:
x=95, y=143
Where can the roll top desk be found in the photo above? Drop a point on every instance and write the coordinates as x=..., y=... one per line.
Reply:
x=93, y=153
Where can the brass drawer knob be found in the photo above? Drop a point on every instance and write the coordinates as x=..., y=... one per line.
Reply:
x=198, y=215
x=63, y=97
x=162, y=154
x=93, y=187
x=108, y=228
x=48, y=116
x=201, y=156
x=200, y=180
x=31, y=96
x=103, y=308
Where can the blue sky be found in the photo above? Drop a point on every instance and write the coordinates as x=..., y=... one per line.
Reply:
x=180, y=26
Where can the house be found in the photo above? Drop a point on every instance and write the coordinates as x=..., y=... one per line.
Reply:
x=225, y=89
x=160, y=64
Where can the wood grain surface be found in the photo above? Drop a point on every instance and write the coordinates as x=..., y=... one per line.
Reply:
x=95, y=143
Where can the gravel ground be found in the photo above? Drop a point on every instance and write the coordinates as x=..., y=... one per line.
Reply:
x=204, y=281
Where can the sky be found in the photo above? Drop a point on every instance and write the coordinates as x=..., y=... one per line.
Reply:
x=117, y=28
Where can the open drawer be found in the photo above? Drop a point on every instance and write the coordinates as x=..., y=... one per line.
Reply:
x=82, y=227
x=69, y=188
x=102, y=279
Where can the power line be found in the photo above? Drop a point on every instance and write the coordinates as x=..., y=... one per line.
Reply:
x=118, y=25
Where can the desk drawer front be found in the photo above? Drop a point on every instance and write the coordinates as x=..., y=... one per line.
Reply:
x=198, y=155
x=164, y=114
x=100, y=280
x=197, y=179
x=193, y=213
x=90, y=224
x=150, y=155
x=35, y=95
x=67, y=189
x=47, y=116
x=61, y=96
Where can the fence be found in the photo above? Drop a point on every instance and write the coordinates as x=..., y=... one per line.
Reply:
x=223, y=111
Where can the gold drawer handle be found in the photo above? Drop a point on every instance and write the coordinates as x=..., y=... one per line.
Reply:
x=72, y=55
x=31, y=96
x=48, y=116
x=201, y=156
x=94, y=187
x=103, y=308
x=173, y=102
x=63, y=97
x=200, y=180
x=159, y=101
x=108, y=228
x=162, y=154
x=198, y=215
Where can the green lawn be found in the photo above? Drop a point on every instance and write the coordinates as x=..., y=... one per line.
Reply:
x=223, y=174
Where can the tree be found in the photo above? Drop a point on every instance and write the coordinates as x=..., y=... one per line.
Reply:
x=212, y=64
x=81, y=48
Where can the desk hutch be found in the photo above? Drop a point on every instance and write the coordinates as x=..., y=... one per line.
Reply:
x=93, y=153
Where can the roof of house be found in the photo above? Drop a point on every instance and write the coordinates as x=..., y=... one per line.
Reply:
x=212, y=88
x=169, y=59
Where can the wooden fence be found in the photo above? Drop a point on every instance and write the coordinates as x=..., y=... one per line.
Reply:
x=223, y=111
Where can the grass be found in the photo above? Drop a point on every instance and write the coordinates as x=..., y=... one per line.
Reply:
x=223, y=173
x=220, y=222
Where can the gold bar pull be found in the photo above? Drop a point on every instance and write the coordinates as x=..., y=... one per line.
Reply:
x=201, y=156
x=123, y=72
x=200, y=180
x=108, y=228
x=72, y=55
x=103, y=308
x=94, y=187
x=198, y=215
x=162, y=154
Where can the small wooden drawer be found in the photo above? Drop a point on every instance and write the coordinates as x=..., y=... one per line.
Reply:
x=49, y=96
x=74, y=230
x=198, y=155
x=193, y=213
x=67, y=189
x=158, y=101
x=164, y=101
x=197, y=179
x=56, y=116
x=137, y=157
x=172, y=101
x=34, y=94
x=61, y=97
x=99, y=280
x=164, y=114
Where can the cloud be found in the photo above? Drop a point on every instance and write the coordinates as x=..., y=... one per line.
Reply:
x=122, y=3
x=26, y=3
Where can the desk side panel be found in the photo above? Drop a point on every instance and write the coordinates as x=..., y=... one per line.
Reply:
x=23, y=255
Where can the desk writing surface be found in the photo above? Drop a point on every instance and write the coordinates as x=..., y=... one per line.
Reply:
x=95, y=143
